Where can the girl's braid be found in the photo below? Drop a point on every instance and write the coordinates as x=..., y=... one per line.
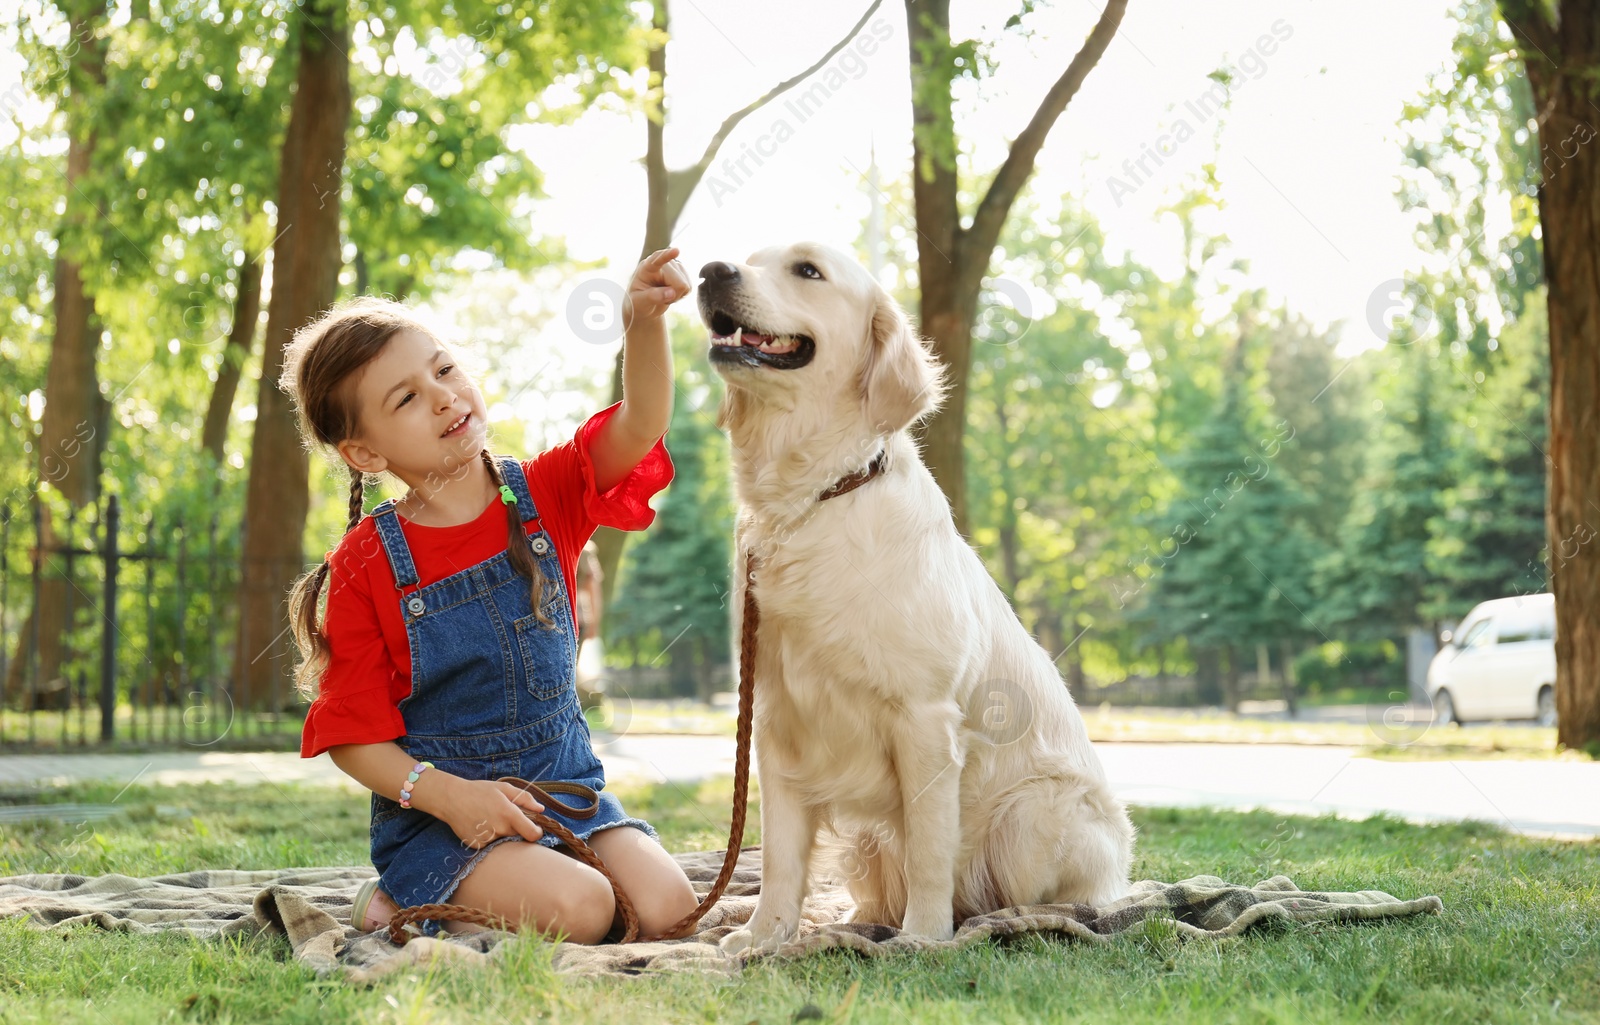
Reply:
x=305, y=596
x=522, y=558
x=358, y=484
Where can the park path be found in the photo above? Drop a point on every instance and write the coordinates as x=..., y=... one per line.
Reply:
x=1542, y=797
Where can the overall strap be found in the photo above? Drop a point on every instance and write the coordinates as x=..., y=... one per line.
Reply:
x=394, y=544
x=511, y=473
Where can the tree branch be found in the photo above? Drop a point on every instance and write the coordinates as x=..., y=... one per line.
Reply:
x=992, y=211
x=687, y=178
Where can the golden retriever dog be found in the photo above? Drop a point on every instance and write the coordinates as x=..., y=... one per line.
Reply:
x=909, y=732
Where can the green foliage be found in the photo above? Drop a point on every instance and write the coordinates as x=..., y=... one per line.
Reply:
x=1488, y=537
x=1377, y=580
x=1451, y=508
x=1333, y=664
x=1470, y=143
x=179, y=197
x=1051, y=404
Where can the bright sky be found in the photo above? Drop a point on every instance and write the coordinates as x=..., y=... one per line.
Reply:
x=1308, y=155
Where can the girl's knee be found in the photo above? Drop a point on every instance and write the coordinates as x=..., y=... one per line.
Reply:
x=586, y=909
x=665, y=906
x=533, y=889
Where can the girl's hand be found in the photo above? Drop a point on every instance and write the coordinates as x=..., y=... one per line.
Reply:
x=481, y=810
x=658, y=282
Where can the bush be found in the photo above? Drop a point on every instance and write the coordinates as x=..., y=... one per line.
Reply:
x=1363, y=665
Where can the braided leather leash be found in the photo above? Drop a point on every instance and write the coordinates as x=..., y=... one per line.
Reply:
x=542, y=789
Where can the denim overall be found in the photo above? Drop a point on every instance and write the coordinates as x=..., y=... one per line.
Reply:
x=493, y=694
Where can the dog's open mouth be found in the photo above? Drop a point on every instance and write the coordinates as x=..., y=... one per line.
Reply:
x=732, y=342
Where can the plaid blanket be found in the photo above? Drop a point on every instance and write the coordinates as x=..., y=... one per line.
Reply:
x=311, y=908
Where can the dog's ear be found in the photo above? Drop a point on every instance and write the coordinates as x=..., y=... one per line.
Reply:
x=902, y=381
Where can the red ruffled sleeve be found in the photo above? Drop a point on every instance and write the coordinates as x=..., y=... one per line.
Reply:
x=355, y=704
x=563, y=484
x=627, y=505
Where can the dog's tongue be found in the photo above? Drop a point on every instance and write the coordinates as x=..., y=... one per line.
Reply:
x=768, y=342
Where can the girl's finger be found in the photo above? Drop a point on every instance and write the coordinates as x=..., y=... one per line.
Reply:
x=521, y=797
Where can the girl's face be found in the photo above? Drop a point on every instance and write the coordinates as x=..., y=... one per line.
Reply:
x=419, y=412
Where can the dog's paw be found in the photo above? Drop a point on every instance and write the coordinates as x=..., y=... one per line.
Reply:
x=935, y=928
x=756, y=939
x=737, y=942
x=865, y=915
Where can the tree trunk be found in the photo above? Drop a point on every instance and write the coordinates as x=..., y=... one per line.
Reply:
x=1047, y=628
x=305, y=273
x=943, y=315
x=1077, y=684
x=1230, y=679
x=241, y=338
x=1288, y=682
x=1208, y=676
x=1009, y=520
x=70, y=429
x=952, y=260
x=1560, y=66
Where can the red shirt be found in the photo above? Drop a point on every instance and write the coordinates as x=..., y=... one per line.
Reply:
x=369, y=669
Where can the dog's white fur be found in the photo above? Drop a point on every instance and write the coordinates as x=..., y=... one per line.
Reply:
x=907, y=726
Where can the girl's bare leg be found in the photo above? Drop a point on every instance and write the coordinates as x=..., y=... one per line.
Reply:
x=537, y=888
x=660, y=892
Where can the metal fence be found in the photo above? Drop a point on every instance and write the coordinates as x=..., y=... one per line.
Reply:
x=147, y=633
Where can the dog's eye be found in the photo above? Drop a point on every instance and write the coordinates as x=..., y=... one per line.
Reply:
x=808, y=270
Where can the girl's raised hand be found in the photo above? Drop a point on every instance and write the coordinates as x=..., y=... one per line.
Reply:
x=483, y=810
x=658, y=282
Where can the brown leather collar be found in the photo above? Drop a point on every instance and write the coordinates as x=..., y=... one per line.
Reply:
x=852, y=481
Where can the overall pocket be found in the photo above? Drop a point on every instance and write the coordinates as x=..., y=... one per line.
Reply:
x=383, y=809
x=546, y=651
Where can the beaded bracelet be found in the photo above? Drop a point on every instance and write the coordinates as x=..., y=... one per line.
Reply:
x=411, y=779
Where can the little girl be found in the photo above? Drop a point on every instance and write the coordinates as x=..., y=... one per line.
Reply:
x=449, y=651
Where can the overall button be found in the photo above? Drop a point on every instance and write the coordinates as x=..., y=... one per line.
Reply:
x=416, y=605
x=540, y=545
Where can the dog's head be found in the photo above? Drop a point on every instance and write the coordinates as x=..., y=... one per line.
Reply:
x=806, y=323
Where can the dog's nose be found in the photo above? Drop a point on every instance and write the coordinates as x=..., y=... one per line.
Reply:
x=719, y=273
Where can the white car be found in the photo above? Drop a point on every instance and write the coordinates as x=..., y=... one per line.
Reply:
x=1500, y=663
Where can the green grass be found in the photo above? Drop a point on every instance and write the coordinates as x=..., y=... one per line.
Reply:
x=1519, y=940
